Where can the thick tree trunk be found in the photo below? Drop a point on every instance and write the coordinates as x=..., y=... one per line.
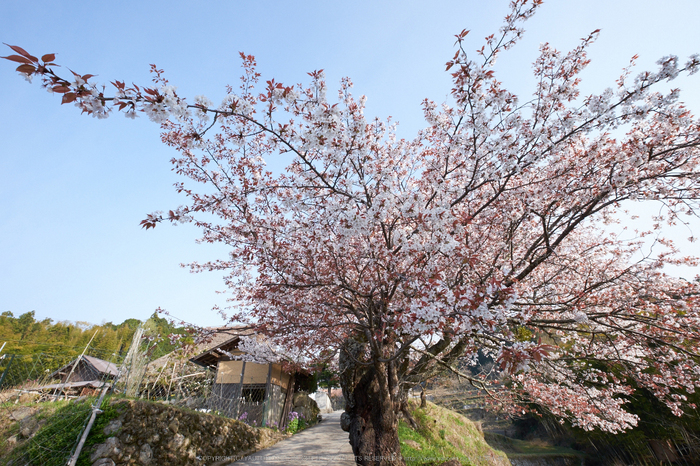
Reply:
x=371, y=412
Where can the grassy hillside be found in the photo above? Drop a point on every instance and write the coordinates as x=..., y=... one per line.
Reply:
x=443, y=435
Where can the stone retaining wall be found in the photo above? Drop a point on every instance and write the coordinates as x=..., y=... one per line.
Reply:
x=157, y=434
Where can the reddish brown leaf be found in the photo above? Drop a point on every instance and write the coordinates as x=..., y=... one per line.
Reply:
x=18, y=59
x=26, y=69
x=60, y=89
x=68, y=98
x=147, y=223
x=49, y=57
x=21, y=51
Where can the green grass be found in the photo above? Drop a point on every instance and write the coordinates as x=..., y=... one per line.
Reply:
x=109, y=411
x=442, y=435
x=61, y=423
x=53, y=442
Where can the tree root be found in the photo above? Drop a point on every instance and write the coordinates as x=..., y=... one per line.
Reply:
x=408, y=416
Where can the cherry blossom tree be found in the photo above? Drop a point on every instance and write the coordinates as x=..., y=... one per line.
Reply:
x=483, y=234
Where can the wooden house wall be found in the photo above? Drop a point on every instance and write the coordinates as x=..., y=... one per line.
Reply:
x=277, y=397
x=82, y=373
x=255, y=373
x=227, y=390
x=279, y=377
x=229, y=372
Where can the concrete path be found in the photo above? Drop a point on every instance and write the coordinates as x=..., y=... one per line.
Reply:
x=323, y=444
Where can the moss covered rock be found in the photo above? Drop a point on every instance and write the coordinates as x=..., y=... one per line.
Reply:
x=306, y=406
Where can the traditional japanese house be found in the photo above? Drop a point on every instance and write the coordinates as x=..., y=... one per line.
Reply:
x=83, y=376
x=259, y=393
x=87, y=369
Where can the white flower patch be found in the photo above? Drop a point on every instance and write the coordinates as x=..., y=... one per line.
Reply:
x=176, y=106
x=204, y=103
x=156, y=112
x=93, y=105
x=257, y=350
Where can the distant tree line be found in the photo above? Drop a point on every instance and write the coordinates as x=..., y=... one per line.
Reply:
x=25, y=335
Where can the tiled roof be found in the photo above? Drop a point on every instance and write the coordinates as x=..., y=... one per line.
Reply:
x=215, y=337
x=103, y=366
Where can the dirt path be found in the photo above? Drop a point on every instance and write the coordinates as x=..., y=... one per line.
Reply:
x=323, y=444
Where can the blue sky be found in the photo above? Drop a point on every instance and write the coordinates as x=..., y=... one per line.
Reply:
x=74, y=189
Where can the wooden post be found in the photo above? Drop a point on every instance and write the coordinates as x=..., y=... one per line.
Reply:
x=129, y=364
x=160, y=373
x=167, y=396
x=95, y=411
x=2, y=377
x=236, y=414
x=287, y=403
x=266, y=400
x=213, y=402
